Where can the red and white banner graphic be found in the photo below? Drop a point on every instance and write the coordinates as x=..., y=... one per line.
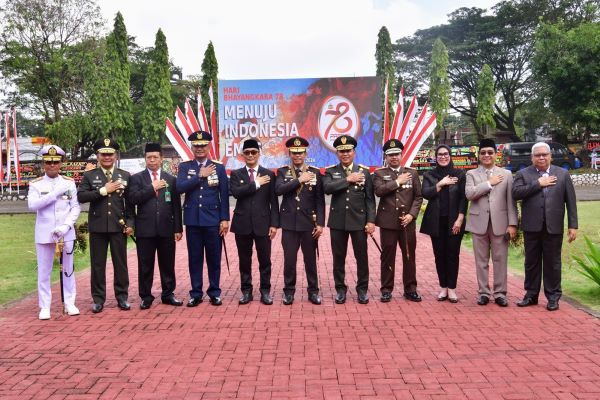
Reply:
x=179, y=144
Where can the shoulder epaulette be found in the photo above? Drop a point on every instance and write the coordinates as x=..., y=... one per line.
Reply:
x=36, y=179
x=363, y=166
x=68, y=178
x=311, y=167
x=217, y=162
x=330, y=166
x=284, y=166
x=377, y=169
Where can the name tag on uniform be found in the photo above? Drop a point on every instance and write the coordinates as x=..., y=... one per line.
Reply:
x=96, y=181
x=191, y=173
x=387, y=177
x=337, y=175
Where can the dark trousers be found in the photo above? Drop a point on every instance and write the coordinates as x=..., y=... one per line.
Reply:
x=339, y=248
x=407, y=240
x=263, y=251
x=99, y=243
x=446, y=250
x=543, y=257
x=201, y=239
x=291, y=241
x=147, y=249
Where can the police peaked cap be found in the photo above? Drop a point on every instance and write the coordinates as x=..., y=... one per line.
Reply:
x=296, y=144
x=344, y=142
x=393, y=146
x=200, y=138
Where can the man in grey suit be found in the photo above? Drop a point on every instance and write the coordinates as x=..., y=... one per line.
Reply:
x=544, y=189
x=492, y=221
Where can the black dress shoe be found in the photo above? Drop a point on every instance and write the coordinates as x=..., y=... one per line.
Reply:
x=527, y=301
x=288, y=299
x=340, y=298
x=552, y=305
x=123, y=305
x=172, y=301
x=246, y=298
x=314, y=298
x=483, y=300
x=413, y=296
x=501, y=301
x=215, y=301
x=363, y=297
x=266, y=299
x=194, y=301
x=386, y=297
x=96, y=308
x=145, y=304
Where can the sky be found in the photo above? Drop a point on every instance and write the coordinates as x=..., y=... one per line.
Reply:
x=270, y=39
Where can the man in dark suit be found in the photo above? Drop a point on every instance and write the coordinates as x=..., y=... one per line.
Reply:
x=544, y=190
x=157, y=226
x=400, y=191
x=255, y=220
x=110, y=221
x=302, y=217
x=205, y=216
x=351, y=213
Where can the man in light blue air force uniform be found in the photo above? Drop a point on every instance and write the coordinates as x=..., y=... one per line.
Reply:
x=54, y=198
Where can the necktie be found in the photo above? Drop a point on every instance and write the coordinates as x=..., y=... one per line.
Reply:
x=251, y=170
x=154, y=179
x=348, y=171
x=108, y=176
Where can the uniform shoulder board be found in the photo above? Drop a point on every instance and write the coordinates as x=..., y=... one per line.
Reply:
x=67, y=178
x=314, y=168
x=330, y=166
x=36, y=179
x=363, y=166
x=377, y=169
x=216, y=162
x=284, y=166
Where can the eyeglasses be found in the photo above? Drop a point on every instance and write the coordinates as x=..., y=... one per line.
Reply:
x=487, y=153
x=51, y=162
x=442, y=155
x=250, y=153
x=541, y=155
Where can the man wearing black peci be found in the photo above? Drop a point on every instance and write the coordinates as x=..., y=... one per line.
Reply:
x=158, y=226
x=302, y=216
x=255, y=220
x=110, y=221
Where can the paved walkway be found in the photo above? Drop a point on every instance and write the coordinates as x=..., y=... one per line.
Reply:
x=403, y=350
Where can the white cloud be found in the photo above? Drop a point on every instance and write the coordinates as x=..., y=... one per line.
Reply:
x=276, y=38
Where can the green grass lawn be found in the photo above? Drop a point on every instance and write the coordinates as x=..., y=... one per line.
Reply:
x=574, y=285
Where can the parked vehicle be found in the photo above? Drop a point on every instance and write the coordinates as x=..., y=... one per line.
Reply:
x=516, y=156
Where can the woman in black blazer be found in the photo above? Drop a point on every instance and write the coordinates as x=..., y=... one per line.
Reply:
x=444, y=218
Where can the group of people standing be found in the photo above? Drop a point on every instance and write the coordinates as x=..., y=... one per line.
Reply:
x=150, y=201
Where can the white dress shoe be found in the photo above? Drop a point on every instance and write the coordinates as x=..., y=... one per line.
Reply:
x=70, y=309
x=44, y=314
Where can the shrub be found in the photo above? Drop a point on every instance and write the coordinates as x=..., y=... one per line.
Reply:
x=590, y=266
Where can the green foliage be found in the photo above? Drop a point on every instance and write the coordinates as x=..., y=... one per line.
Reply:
x=112, y=108
x=590, y=266
x=157, y=104
x=210, y=70
x=72, y=131
x=486, y=98
x=384, y=55
x=41, y=47
x=567, y=62
x=439, y=84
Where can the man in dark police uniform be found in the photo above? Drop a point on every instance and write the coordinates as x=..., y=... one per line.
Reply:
x=400, y=191
x=205, y=215
x=352, y=213
x=157, y=226
x=110, y=221
x=255, y=220
x=302, y=217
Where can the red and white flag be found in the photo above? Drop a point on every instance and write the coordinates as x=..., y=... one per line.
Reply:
x=410, y=152
x=179, y=144
x=399, y=117
x=417, y=127
x=7, y=135
x=214, y=145
x=386, y=118
x=201, y=112
x=182, y=124
x=16, y=150
x=191, y=118
x=1, y=160
x=410, y=115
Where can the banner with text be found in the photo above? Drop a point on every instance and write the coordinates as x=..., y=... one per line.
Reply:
x=319, y=110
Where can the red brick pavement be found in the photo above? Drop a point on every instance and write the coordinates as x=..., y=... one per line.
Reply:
x=403, y=350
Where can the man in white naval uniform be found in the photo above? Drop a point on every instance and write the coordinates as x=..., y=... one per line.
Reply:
x=54, y=198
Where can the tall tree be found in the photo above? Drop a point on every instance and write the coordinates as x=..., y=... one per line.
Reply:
x=210, y=71
x=486, y=98
x=112, y=111
x=439, y=83
x=42, y=43
x=384, y=55
x=567, y=62
x=157, y=104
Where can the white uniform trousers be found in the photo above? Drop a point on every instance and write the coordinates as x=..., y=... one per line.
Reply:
x=45, y=258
